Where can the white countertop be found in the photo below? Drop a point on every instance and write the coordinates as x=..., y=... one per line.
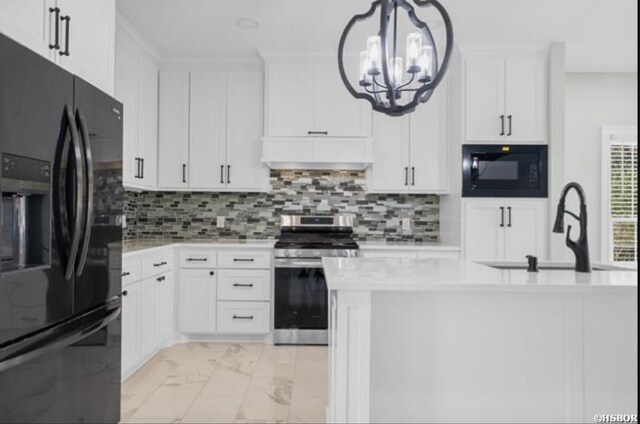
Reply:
x=134, y=246
x=407, y=246
x=400, y=274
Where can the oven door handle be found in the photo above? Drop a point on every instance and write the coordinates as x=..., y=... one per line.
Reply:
x=298, y=263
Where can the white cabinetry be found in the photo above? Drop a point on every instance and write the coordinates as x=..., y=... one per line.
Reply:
x=84, y=31
x=504, y=229
x=148, y=307
x=505, y=97
x=306, y=98
x=410, y=153
x=130, y=327
x=137, y=89
x=210, y=131
x=197, y=301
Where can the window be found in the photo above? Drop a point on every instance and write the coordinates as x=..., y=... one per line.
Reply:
x=620, y=194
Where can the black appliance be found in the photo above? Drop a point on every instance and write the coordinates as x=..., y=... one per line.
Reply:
x=301, y=297
x=60, y=275
x=490, y=170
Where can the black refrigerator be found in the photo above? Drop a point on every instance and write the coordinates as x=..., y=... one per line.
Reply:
x=61, y=239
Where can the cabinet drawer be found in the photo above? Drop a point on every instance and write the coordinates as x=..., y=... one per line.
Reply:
x=243, y=317
x=198, y=258
x=131, y=270
x=244, y=259
x=157, y=263
x=240, y=284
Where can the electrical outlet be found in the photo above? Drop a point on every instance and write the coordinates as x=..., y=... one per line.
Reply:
x=220, y=222
x=406, y=224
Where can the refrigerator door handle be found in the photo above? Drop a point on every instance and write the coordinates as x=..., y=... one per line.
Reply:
x=59, y=337
x=79, y=206
x=88, y=193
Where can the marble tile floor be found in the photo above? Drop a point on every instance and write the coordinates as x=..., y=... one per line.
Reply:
x=229, y=382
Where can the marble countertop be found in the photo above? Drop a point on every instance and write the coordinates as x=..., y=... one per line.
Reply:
x=400, y=274
x=131, y=246
x=399, y=245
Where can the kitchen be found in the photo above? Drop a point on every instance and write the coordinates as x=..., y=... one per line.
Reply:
x=217, y=231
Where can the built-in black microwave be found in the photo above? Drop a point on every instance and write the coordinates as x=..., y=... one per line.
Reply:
x=490, y=170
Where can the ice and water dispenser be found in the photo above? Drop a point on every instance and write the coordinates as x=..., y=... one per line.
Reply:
x=25, y=216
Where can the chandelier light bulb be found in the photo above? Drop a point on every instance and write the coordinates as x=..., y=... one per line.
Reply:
x=374, y=50
x=365, y=65
x=426, y=64
x=396, y=71
x=414, y=49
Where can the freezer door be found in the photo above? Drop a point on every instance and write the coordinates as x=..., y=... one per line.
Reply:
x=98, y=267
x=67, y=374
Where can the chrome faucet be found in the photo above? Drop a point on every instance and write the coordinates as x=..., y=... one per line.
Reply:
x=579, y=247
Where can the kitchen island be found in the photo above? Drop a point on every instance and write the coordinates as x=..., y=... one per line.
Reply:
x=446, y=340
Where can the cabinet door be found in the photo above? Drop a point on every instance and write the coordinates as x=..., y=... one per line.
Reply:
x=91, y=40
x=197, y=301
x=148, y=121
x=27, y=22
x=130, y=328
x=207, y=130
x=337, y=112
x=526, y=229
x=164, y=310
x=484, y=229
x=290, y=99
x=485, y=99
x=127, y=80
x=526, y=97
x=173, y=148
x=390, y=169
x=148, y=305
x=429, y=148
x=245, y=107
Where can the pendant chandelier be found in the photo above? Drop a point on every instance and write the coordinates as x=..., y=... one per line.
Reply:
x=383, y=75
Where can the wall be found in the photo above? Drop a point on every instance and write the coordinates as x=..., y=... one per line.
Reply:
x=184, y=215
x=593, y=101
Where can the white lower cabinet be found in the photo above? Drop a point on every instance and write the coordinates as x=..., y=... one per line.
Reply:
x=164, y=308
x=130, y=327
x=148, y=306
x=243, y=317
x=504, y=229
x=246, y=285
x=197, y=301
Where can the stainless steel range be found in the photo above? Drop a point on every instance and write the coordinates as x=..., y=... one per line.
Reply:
x=301, y=306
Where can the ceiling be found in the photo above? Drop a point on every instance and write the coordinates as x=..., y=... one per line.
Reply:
x=600, y=35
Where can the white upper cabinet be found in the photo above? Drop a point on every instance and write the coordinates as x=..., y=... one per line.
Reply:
x=504, y=229
x=137, y=88
x=244, y=132
x=306, y=98
x=28, y=22
x=90, y=31
x=79, y=35
x=410, y=153
x=505, y=97
x=173, y=140
x=208, y=167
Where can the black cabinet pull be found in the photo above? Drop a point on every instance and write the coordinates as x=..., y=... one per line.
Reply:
x=67, y=20
x=243, y=259
x=413, y=175
x=126, y=274
x=318, y=132
x=502, y=121
x=142, y=168
x=509, y=209
x=56, y=44
x=160, y=279
x=406, y=175
x=243, y=317
x=159, y=264
x=228, y=174
x=137, y=168
x=502, y=216
x=510, y=125
x=184, y=173
x=211, y=273
x=221, y=174
x=196, y=259
x=242, y=285
x=125, y=293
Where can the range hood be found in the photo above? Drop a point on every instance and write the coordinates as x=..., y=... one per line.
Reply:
x=317, y=153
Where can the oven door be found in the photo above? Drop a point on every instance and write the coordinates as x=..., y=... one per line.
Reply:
x=301, y=302
x=504, y=171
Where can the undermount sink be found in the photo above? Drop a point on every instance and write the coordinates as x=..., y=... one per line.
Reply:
x=556, y=267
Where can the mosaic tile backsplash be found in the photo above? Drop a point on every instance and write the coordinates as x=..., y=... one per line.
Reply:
x=189, y=215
